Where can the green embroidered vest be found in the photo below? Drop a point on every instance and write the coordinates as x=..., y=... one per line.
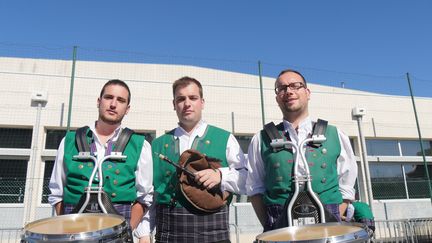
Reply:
x=119, y=176
x=322, y=165
x=213, y=143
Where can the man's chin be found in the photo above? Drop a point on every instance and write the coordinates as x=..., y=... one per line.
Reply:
x=111, y=121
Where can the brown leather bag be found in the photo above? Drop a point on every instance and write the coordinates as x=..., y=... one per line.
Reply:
x=203, y=200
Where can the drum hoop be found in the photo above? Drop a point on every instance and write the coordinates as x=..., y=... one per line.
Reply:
x=77, y=236
x=358, y=235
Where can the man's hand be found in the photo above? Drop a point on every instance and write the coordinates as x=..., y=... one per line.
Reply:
x=145, y=239
x=209, y=178
x=59, y=209
x=137, y=213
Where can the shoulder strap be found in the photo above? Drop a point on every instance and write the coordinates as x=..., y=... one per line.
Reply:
x=320, y=127
x=272, y=131
x=81, y=139
x=123, y=139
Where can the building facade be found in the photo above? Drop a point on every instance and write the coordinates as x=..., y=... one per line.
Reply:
x=39, y=101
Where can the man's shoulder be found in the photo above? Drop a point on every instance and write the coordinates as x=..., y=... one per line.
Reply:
x=218, y=129
x=166, y=135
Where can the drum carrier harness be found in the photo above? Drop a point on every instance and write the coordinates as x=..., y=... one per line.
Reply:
x=95, y=199
x=304, y=207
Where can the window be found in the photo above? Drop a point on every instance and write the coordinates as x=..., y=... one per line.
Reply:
x=53, y=138
x=244, y=141
x=388, y=180
x=382, y=147
x=49, y=164
x=12, y=180
x=412, y=147
x=352, y=145
x=417, y=182
x=15, y=137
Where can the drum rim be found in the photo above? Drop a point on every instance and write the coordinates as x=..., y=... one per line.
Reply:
x=358, y=235
x=107, y=232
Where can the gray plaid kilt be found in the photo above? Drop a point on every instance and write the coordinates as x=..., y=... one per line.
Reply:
x=123, y=209
x=177, y=224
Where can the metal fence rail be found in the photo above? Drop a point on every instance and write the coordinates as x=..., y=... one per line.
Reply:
x=411, y=230
x=10, y=235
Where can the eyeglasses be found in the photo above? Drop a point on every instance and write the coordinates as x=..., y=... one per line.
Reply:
x=282, y=89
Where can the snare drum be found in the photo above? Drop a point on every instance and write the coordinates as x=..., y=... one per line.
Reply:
x=89, y=227
x=317, y=233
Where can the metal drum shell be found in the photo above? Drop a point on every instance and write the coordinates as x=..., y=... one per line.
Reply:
x=359, y=236
x=113, y=233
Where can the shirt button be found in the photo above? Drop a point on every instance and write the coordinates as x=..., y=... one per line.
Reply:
x=324, y=165
x=323, y=180
x=113, y=194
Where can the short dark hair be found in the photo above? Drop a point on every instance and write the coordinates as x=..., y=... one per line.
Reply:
x=185, y=81
x=291, y=71
x=116, y=82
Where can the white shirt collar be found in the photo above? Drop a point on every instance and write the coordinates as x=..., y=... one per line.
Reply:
x=303, y=131
x=115, y=134
x=199, y=130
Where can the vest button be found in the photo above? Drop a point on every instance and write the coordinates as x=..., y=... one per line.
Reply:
x=166, y=145
x=115, y=182
x=324, y=151
x=276, y=165
x=168, y=173
x=90, y=164
x=109, y=166
x=323, y=180
x=279, y=178
x=113, y=194
x=80, y=166
x=207, y=142
x=324, y=165
x=117, y=171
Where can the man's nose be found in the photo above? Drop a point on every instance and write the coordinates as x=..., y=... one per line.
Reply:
x=113, y=103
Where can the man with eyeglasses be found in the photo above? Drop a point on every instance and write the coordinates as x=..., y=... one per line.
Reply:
x=333, y=167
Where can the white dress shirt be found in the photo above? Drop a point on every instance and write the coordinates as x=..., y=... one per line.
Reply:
x=143, y=173
x=346, y=163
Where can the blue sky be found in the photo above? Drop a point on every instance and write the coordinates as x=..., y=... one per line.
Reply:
x=368, y=45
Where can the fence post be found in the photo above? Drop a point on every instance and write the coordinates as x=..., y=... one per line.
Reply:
x=71, y=87
x=420, y=137
x=262, y=94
